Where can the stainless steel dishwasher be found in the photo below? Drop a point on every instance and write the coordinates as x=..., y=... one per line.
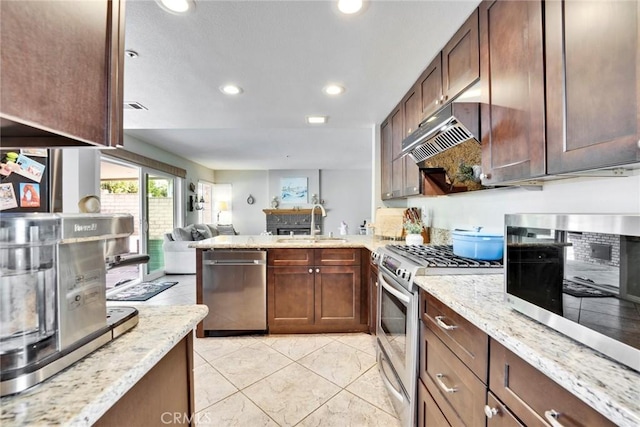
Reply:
x=234, y=285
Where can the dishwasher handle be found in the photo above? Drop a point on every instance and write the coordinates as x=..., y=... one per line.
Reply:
x=235, y=262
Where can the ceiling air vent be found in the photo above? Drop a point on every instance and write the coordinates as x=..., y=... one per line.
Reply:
x=134, y=106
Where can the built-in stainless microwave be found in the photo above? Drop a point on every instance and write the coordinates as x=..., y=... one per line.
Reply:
x=578, y=274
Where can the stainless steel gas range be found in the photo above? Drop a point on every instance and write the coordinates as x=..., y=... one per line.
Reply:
x=398, y=317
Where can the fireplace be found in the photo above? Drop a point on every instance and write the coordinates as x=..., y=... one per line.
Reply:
x=287, y=221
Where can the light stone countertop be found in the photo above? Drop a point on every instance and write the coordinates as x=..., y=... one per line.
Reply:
x=267, y=242
x=82, y=393
x=609, y=387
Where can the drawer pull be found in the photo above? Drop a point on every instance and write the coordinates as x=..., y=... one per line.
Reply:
x=443, y=385
x=443, y=325
x=552, y=416
x=490, y=412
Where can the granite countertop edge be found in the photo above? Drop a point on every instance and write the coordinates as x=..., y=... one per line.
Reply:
x=269, y=242
x=609, y=387
x=86, y=390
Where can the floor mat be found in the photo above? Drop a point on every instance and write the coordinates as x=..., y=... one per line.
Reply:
x=141, y=292
x=581, y=291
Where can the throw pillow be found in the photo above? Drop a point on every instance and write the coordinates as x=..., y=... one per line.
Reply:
x=181, y=234
x=197, y=234
x=212, y=228
x=203, y=230
x=226, y=230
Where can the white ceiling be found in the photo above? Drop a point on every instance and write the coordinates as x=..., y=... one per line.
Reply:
x=282, y=53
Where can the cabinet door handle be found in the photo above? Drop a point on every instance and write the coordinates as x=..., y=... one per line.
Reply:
x=443, y=386
x=490, y=412
x=311, y=270
x=443, y=325
x=317, y=270
x=552, y=416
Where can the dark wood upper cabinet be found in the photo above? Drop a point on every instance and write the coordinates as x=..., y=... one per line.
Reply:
x=430, y=83
x=593, y=84
x=412, y=107
x=386, y=160
x=454, y=68
x=61, y=67
x=512, y=84
x=412, y=110
x=397, y=167
x=460, y=59
x=393, y=166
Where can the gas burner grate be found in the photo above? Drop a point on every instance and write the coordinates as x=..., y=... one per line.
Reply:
x=440, y=256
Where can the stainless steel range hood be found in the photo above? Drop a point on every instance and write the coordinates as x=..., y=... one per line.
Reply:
x=452, y=125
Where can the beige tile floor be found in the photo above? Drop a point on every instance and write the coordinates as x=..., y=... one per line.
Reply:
x=320, y=380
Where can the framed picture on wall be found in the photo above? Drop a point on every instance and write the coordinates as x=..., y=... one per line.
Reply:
x=294, y=190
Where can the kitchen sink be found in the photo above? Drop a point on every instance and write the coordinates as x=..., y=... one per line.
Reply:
x=318, y=239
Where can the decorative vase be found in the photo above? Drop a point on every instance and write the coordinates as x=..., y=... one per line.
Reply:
x=414, y=239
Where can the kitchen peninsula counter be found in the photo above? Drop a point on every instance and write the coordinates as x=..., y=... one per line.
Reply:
x=84, y=392
x=609, y=387
x=267, y=242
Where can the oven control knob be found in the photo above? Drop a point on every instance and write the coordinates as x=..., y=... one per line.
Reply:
x=401, y=272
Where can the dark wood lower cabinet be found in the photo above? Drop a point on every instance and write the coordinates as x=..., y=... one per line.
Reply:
x=501, y=416
x=532, y=396
x=165, y=395
x=290, y=298
x=450, y=392
x=429, y=415
x=325, y=296
x=337, y=296
x=454, y=387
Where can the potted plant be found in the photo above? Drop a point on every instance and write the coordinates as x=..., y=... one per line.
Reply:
x=413, y=229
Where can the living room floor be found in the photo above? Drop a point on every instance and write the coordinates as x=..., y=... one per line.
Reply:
x=283, y=380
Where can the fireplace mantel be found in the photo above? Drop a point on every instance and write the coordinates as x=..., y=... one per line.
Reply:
x=290, y=211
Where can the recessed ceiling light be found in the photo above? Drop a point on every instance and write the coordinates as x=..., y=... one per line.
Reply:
x=333, y=89
x=231, y=89
x=177, y=6
x=316, y=120
x=131, y=53
x=349, y=7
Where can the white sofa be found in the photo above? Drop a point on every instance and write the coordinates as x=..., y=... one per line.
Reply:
x=179, y=258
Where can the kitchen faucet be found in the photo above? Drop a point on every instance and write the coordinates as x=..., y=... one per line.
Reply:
x=313, y=219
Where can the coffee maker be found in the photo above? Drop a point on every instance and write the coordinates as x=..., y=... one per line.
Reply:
x=53, y=292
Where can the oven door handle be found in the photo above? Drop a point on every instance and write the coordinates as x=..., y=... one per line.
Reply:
x=405, y=299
